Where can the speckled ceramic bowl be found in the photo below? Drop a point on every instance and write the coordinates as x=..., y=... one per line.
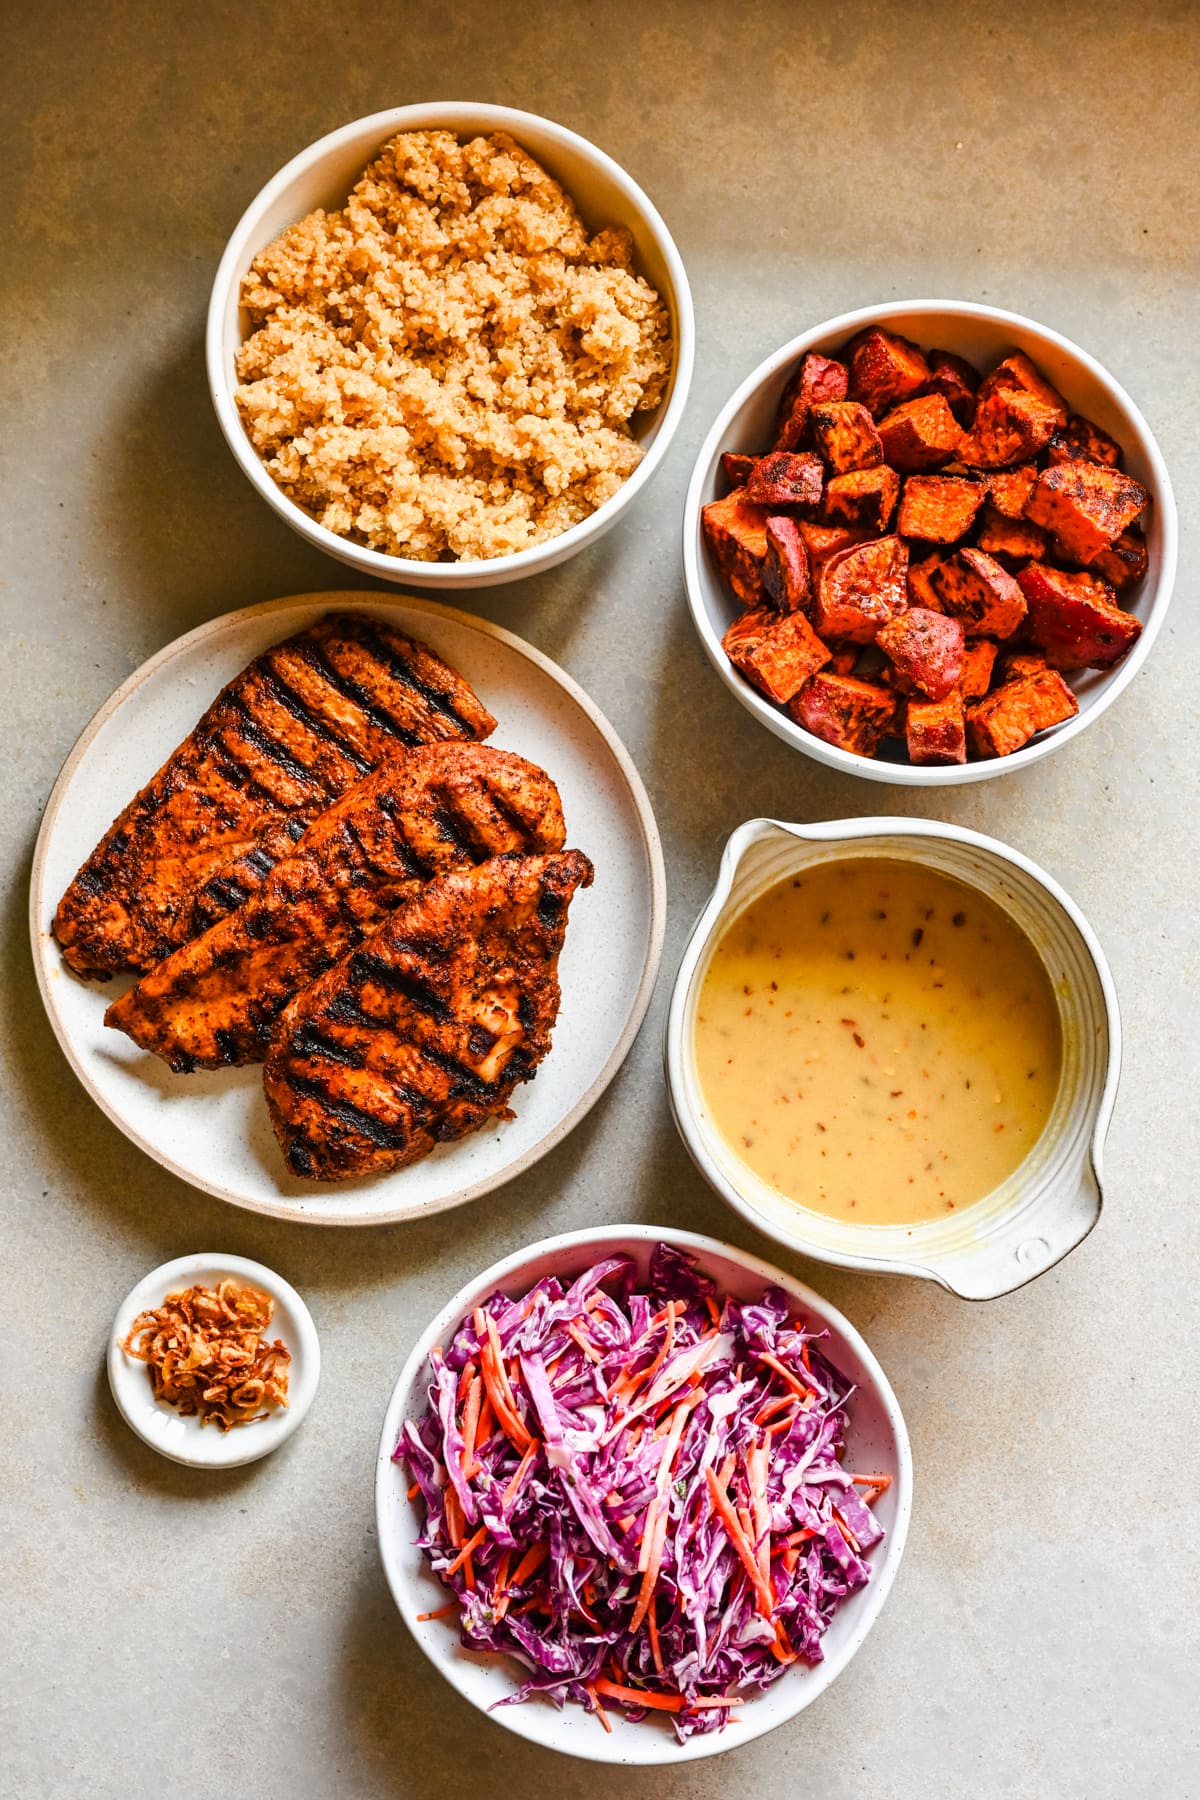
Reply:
x=322, y=176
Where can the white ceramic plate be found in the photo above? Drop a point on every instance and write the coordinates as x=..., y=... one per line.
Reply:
x=185, y=1440
x=212, y=1128
x=877, y=1439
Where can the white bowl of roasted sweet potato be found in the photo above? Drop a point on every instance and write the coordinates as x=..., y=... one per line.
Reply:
x=929, y=543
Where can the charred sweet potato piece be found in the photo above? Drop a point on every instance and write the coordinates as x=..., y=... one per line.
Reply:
x=855, y=715
x=1008, y=490
x=979, y=659
x=939, y=508
x=1015, y=711
x=954, y=378
x=1010, y=426
x=1062, y=449
x=865, y=498
x=1086, y=505
x=860, y=589
x=926, y=650
x=1073, y=618
x=1124, y=562
x=787, y=575
x=736, y=535
x=844, y=662
x=936, y=730
x=736, y=469
x=824, y=541
x=885, y=369
x=1023, y=662
x=974, y=589
x=777, y=652
x=1095, y=442
x=786, y=478
x=845, y=435
x=1009, y=540
x=1018, y=373
x=819, y=378
x=920, y=588
x=921, y=434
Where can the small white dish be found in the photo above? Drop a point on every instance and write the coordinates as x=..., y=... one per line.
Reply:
x=212, y=1128
x=878, y=1439
x=1052, y=1200
x=983, y=334
x=185, y=1440
x=322, y=176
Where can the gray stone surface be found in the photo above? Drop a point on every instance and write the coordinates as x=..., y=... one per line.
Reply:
x=234, y=1634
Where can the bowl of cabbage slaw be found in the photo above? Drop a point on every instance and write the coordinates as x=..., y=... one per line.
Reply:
x=641, y=1496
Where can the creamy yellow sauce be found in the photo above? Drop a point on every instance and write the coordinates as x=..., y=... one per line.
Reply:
x=877, y=1041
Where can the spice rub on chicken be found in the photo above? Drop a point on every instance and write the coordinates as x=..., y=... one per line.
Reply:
x=422, y=813
x=299, y=725
x=420, y=1035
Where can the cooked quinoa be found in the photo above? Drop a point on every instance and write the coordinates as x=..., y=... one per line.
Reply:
x=448, y=366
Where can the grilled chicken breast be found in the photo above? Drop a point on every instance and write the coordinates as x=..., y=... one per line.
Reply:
x=289, y=734
x=422, y=814
x=420, y=1034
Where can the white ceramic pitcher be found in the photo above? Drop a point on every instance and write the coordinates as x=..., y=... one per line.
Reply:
x=1051, y=1202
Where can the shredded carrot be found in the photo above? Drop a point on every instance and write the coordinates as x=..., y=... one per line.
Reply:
x=511, y=1491
x=470, y=1422
x=414, y=1490
x=454, y=1518
x=784, y=1373
x=655, y=1646
x=714, y=1311
x=468, y=1550
x=779, y=1404
x=599, y=1710
x=659, y=1702
x=439, y=1612
x=532, y=1559
x=737, y=1538
x=589, y=1349
x=500, y=1586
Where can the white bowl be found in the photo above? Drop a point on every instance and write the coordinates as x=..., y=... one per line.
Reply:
x=877, y=1438
x=1053, y=1199
x=322, y=176
x=983, y=334
x=185, y=1440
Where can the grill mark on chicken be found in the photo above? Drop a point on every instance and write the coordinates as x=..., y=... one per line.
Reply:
x=282, y=740
x=214, y=1001
x=463, y=989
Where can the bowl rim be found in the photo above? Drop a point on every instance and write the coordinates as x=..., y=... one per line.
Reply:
x=820, y=1676
x=460, y=116
x=848, y=830
x=1159, y=589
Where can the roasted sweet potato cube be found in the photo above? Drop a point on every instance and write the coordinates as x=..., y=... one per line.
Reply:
x=1021, y=663
x=824, y=541
x=936, y=730
x=1016, y=710
x=1097, y=443
x=954, y=378
x=736, y=469
x=736, y=535
x=974, y=589
x=855, y=715
x=786, y=478
x=777, y=652
x=1008, y=490
x=818, y=378
x=1124, y=562
x=920, y=590
x=1018, y=373
x=860, y=589
x=1010, y=426
x=844, y=662
x=1073, y=618
x=787, y=575
x=921, y=434
x=865, y=498
x=979, y=659
x=1010, y=541
x=1062, y=449
x=939, y=508
x=926, y=648
x=885, y=369
x=845, y=435
x=1086, y=505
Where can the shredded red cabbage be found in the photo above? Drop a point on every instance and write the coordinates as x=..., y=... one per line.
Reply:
x=636, y=1490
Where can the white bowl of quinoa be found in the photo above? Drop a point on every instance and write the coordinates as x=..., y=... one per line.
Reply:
x=450, y=343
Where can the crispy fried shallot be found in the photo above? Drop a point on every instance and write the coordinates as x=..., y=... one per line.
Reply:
x=208, y=1356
